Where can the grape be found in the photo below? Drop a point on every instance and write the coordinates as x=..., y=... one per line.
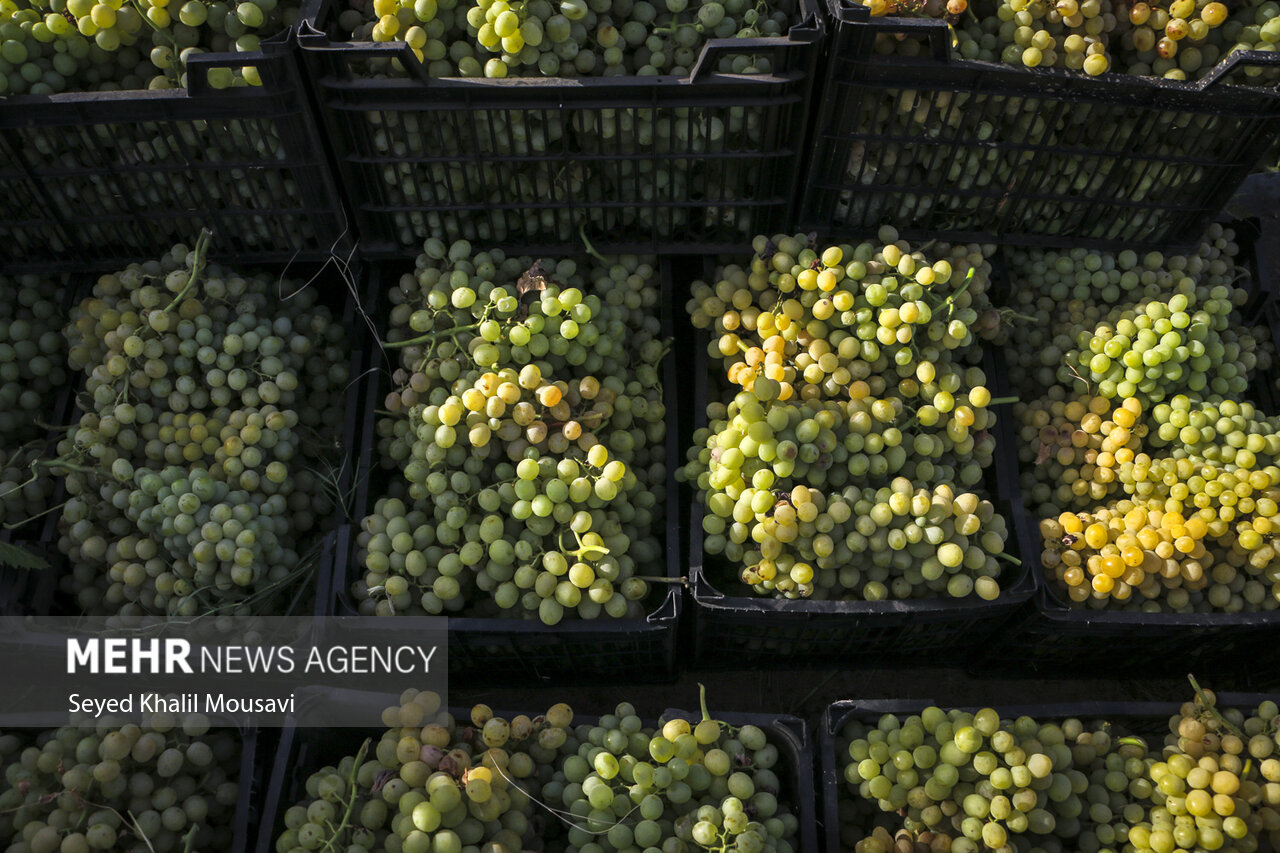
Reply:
x=857, y=426
x=528, y=423
x=188, y=496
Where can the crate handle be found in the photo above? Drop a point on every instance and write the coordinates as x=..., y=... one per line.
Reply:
x=312, y=39
x=849, y=12
x=198, y=66
x=805, y=32
x=1239, y=58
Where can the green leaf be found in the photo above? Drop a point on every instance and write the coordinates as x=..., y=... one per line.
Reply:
x=20, y=558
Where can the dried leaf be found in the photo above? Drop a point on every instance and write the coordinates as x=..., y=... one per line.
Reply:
x=533, y=280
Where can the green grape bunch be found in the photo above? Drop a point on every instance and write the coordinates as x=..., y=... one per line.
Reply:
x=527, y=420
x=569, y=38
x=52, y=46
x=32, y=374
x=168, y=785
x=431, y=782
x=1214, y=785
x=857, y=424
x=699, y=784
x=208, y=405
x=971, y=781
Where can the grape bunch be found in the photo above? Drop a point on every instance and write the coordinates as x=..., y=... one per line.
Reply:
x=571, y=38
x=854, y=424
x=1131, y=553
x=1174, y=341
x=84, y=45
x=32, y=372
x=32, y=355
x=1178, y=40
x=1172, y=40
x=1060, y=295
x=1069, y=450
x=696, y=785
x=528, y=425
x=1216, y=785
x=167, y=785
x=1254, y=26
x=1155, y=485
x=209, y=409
x=1067, y=34
x=969, y=782
x=431, y=782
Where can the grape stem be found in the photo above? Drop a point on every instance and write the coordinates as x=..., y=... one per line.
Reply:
x=430, y=337
x=351, y=800
x=682, y=581
x=583, y=550
x=666, y=31
x=14, y=525
x=950, y=300
x=189, y=839
x=1213, y=711
x=591, y=250
x=1000, y=401
x=1012, y=559
x=202, y=245
x=64, y=464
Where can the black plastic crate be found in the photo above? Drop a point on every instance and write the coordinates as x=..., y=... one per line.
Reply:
x=1148, y=719
x=304, y=750
x=420, y=155
x=484, y=650
x=38, y=592
x=930, y=145
x=92, y=179
x=732, y=627
x=1053, y=637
